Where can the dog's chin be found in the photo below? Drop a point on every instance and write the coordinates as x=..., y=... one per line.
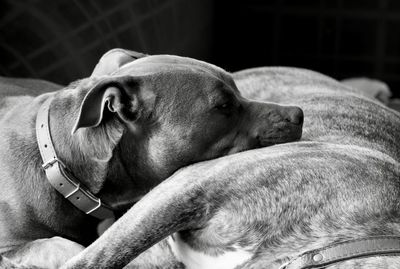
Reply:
x=268, y=143
x=280, y=139
x=289, y=134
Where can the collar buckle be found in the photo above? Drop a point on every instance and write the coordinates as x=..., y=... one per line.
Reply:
x=52, y=162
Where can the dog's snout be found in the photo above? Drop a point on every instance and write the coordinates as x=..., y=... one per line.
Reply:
x=294, y=115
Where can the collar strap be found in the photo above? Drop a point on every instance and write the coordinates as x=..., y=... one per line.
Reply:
x=57, y=173
x=346, y=250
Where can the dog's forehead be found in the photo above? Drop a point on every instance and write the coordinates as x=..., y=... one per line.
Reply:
x=173, y=60
x=158, y=64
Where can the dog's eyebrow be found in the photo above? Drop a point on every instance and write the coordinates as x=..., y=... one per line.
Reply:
x=227, y=85
x=224, y=92
x=227, y=80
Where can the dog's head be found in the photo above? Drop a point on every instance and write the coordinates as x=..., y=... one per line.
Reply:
x=176, y=111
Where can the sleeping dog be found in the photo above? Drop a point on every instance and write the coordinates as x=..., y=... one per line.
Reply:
x=70, y=157
x=330, y=200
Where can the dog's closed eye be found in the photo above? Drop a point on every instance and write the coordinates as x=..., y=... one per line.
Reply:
x=227, y=105
x=224, y=106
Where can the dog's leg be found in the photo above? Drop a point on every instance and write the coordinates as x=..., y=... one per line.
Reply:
x=158, y=256
x=42, y=253
x=181, y=202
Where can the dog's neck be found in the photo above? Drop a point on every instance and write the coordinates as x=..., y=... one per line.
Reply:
x=41, y=210
x=88, y=154
x=103, y=158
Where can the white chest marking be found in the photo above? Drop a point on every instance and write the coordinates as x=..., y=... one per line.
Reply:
x=193, y=259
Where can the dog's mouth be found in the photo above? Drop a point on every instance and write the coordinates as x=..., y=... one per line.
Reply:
x=284, y=135
x=277, y=138
x=279, y=134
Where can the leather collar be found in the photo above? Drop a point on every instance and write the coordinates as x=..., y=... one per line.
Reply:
x=346, y=250
x=59, y=176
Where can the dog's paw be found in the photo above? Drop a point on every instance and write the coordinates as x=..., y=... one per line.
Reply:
x=46, y=253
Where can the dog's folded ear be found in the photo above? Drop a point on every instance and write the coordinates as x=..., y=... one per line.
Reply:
x=112, y=60
x=114, y=94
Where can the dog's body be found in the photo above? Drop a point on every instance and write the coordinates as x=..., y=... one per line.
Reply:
x=261, y=208
x=134, y=122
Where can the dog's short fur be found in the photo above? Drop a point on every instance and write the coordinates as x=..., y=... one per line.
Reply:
x=260, y=208
x=121, y=132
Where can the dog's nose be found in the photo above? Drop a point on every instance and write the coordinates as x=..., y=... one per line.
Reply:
x=294, y=115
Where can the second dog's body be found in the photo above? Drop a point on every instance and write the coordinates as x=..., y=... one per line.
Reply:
x=262, y=208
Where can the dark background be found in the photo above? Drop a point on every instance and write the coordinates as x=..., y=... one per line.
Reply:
x=62, y=40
